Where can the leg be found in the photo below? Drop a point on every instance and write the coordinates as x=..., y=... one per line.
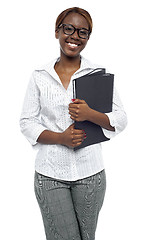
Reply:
x=88, y=195
x=57, y=209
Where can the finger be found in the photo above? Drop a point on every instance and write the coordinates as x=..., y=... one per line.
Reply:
x=77, y=141
x=73, y=105
x=77, y=144
x=78, y=131
x=72, y=126
x=73, y=114
x=79, y=101
x=73, y=110
x=73, y=118
x=82, y=138
x=78, y=137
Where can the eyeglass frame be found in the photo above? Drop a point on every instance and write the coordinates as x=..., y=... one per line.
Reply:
x=75, y=29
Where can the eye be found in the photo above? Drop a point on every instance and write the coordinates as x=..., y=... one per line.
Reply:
x=83, y=33
x=68, y=29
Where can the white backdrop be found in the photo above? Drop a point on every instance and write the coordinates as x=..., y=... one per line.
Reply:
x=126, y=40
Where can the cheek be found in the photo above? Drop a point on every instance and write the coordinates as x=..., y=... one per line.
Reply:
x=62, y=44
x=85, y=43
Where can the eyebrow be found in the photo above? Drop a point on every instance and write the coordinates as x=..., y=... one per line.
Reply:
x=74, y=26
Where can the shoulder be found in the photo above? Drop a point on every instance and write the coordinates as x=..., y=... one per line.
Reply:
x=46, y=66
x=89, y=64
x=40, y=71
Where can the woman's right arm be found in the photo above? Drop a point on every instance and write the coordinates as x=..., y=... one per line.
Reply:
x=30, y=123
x=71, y=137
x=32, y=127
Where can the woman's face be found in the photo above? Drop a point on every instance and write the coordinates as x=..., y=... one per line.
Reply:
x=72, y=45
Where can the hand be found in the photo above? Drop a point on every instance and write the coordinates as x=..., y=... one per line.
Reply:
x=79, y=110
x=72, y=137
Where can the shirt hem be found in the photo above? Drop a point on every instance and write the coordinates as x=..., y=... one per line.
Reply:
x=69, y=179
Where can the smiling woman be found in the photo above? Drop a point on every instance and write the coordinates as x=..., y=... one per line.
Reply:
x=69, y=185
x=73, y=34
x=73, y=28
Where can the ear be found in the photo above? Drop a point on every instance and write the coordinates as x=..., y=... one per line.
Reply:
x=89, y=36
x=57, y=34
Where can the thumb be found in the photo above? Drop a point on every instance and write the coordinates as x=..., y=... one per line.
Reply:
x=72, y=126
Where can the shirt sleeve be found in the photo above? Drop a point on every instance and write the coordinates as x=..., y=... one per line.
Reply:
x=117, y=118
x=30, y=123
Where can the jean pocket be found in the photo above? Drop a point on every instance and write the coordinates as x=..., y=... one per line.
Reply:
x=38, y=188
x=51, y=184
x=38, y=180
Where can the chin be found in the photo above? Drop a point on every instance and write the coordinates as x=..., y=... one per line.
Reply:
x=73, y=55
x=70, y=54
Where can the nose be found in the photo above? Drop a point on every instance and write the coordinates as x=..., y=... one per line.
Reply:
x=75, y=35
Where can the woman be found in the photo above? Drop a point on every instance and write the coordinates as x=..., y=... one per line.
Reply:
x=69, y=185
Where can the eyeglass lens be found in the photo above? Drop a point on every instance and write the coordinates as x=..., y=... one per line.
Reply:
x=69, y=30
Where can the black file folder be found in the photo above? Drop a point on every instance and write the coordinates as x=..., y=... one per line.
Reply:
x=96, y=88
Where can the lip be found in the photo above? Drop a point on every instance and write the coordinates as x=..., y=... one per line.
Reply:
x=73, y=45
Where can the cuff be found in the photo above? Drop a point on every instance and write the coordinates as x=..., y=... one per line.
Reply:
x=108, y=133
x=32, y=135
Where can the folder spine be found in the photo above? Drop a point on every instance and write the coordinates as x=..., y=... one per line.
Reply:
x=74, y=88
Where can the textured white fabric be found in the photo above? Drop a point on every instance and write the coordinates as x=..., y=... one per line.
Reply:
x=46, y=107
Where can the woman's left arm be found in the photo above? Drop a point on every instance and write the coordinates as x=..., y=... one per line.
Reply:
x=112, y=123
x=80, y=111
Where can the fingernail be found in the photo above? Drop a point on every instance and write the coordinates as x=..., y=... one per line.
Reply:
x=73, y=100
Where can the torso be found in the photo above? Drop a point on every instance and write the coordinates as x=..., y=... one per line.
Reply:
x=65, y=75
x=65, y=79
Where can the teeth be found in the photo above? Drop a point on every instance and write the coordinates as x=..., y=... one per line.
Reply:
x=72, y=44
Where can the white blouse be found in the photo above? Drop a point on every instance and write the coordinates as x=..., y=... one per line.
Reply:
x=46, y=107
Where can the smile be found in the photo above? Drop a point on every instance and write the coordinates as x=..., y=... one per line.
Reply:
x=73, y=45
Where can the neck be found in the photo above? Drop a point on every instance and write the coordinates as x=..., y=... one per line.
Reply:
x=69, y=63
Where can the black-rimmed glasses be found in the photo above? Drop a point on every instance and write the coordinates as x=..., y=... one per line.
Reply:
x=69, y=29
